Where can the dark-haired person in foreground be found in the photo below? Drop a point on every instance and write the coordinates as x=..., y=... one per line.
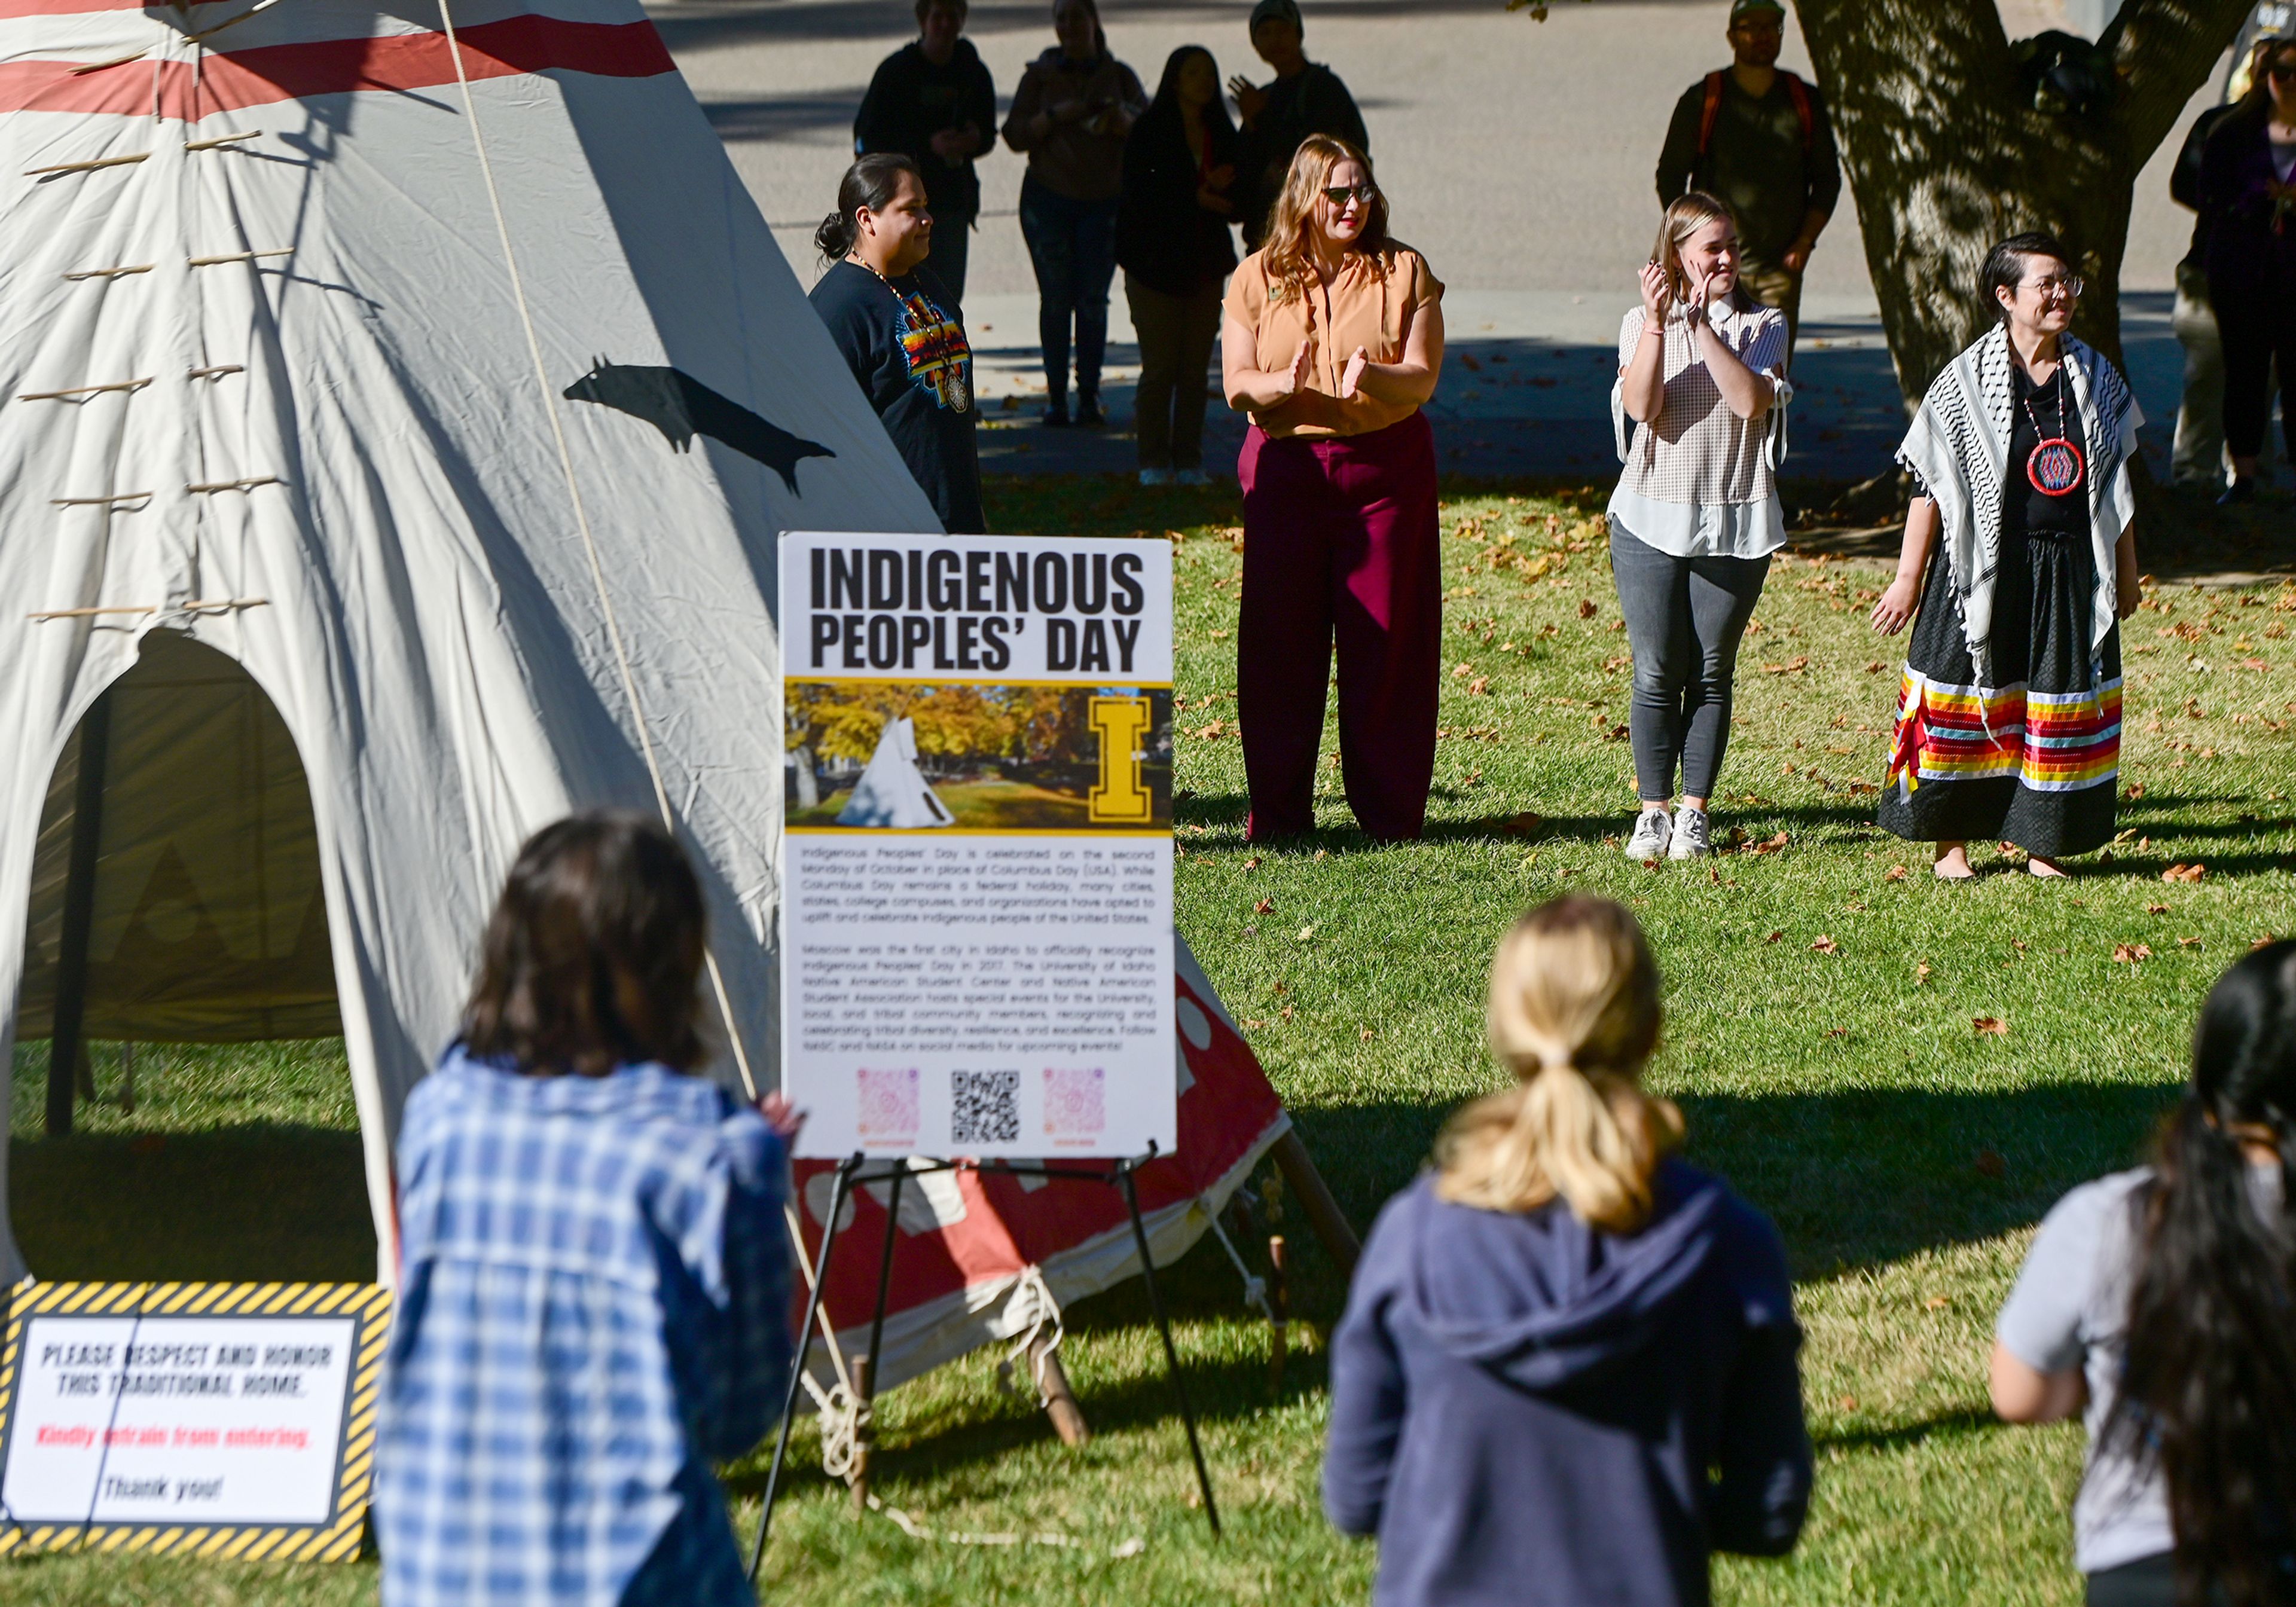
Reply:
x=1566, y=1373
x=902, y=332
x=2019, y=557
x=933, y=102
x=594, y=1291
x=2157, y=1304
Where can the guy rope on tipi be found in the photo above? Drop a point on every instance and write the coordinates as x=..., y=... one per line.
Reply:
x=399, y=418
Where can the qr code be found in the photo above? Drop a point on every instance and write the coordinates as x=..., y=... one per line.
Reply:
x=984, y=1107
x=1076, y=1105
x=889, y=1103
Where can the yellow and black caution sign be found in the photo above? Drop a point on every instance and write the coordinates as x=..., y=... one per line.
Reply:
x=214, y=1420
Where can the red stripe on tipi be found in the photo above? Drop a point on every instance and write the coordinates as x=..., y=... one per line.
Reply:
x=230, y=81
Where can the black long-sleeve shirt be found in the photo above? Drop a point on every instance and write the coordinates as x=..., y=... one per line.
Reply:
x=1758, y=161
x=911, y=99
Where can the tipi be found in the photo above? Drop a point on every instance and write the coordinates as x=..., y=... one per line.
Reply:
x=339, y=558
x=892, y=791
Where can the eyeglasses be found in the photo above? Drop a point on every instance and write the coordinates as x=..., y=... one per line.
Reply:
x=1339, y=195
x=2071, y=286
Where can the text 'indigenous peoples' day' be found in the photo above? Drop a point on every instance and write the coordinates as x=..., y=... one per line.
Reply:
x=907, y=609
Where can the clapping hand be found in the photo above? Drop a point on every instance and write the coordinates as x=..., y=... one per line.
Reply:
x=1658, y=293
x=1353, y=375
x=1289, y=378
x=783, y=1117
x=1702, y=289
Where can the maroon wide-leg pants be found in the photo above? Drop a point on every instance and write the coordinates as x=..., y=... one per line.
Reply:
x=1340, y=541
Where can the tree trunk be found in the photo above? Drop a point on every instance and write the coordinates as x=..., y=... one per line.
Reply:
x=1947, y=155
x=809, y=781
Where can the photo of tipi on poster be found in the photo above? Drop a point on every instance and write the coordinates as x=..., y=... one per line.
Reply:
x=977, y=948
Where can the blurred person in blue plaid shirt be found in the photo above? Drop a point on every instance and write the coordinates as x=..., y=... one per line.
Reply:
x=593, y=1296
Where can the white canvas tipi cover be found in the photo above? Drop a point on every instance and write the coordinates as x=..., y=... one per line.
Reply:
x=892, y=791
x=451, y=387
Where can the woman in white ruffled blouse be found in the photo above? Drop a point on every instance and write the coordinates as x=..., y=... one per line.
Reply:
x=1695, y=517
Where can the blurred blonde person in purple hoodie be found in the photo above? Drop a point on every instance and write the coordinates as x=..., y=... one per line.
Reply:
x=1566, y=1374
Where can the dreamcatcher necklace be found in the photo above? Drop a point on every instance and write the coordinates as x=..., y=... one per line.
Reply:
x=2055, y=467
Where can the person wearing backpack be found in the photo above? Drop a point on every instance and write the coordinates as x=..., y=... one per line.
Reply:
x=1566, y=1374
x=1758, y=137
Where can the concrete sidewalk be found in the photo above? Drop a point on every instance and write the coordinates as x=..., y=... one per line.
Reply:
x=1526, y=389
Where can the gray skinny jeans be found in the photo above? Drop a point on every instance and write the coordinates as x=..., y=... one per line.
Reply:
x=1683, y=619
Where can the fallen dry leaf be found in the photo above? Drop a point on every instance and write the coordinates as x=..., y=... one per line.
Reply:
x=1921, y=973
x=1368, y=1035
x=1252, y=863
x=2188, y=942
x=1936, y=1302
x=1585, y=608
x=1774, y=936
x=2128, y=953
x=1265, y=906
x=2254, y=664
x=2136, y=790
x=2019, y=943
x=1990, y=1026
x=1850, y=1403
x=1875, y=668
x=1770, y=847
x=1306, y=933
x=1824, y=945
x=1792, y=667
x=1322, y=853
x=2156, y=909
x=2184, y=872
x=1897, y=873
x=1480, y=687
x=2265, y=941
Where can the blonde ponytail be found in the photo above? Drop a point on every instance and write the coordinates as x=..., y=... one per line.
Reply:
x=1574, y=1014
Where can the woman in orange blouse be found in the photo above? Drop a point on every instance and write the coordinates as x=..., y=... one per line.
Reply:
x=1331, y=341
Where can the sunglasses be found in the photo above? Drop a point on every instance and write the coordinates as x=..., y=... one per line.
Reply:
x=1339, y=195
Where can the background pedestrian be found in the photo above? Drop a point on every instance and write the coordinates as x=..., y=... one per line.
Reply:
x=1174, y=243
x=1758, y=137
x=1304, y=98
x=902, y=333
x=2247, y=202
x=594, y=1291
x=1695, y=516
x=1566, y=1370
x=1333, y=339
x=933, y=102
x=2009, y=715
x=1070, y=117
x=2155, y=1303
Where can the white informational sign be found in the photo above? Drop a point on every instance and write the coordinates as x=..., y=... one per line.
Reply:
x=977, y=879
x=177, y=1419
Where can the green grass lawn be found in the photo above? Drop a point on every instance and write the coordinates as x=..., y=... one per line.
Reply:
x=1821, y=1040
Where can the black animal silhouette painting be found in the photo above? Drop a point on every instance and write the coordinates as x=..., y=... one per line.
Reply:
x=682, y=408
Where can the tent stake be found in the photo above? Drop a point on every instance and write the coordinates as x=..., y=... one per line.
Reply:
x=1324, y=1214
x=65, y=1046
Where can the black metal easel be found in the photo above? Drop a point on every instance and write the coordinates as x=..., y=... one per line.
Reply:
x=847, y=1177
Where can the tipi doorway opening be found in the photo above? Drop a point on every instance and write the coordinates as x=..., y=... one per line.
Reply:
x=182, y=1105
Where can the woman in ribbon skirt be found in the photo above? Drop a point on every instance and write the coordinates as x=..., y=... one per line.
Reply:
x=2021, y=561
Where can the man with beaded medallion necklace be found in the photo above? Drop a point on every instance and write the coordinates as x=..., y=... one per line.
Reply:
x=901, y=333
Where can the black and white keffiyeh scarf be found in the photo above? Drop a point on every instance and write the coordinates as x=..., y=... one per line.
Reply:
x=1958, y=448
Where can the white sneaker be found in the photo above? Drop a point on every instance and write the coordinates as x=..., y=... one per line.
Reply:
x=1651, y=830
x=1155, y=476
x=1191, y=477
x=1692, y=834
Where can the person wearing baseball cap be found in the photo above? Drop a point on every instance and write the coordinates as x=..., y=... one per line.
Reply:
x=1758, y=137
x=1304, y=98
